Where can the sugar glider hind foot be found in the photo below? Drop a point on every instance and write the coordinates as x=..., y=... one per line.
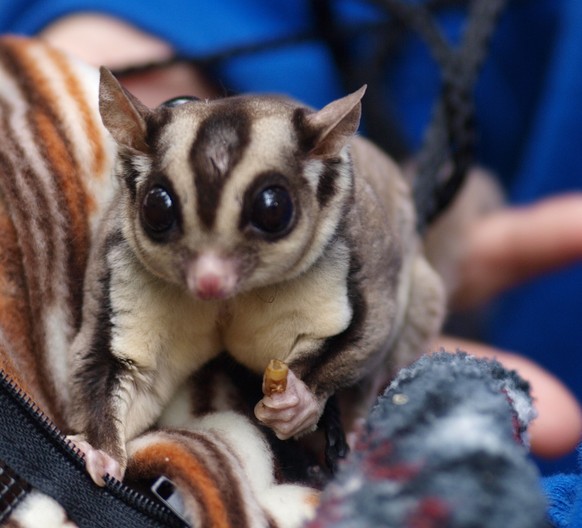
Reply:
x=98, y=463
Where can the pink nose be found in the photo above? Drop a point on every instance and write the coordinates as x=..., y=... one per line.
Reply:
x=211, y=276
x=210, y=287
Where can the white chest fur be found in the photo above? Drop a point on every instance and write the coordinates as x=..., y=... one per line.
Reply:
x=165, y=326
x=291, y=318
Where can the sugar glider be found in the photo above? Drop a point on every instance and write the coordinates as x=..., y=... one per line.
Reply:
x=255, y=225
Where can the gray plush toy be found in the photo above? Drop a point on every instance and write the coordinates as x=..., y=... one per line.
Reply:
x=445, y=446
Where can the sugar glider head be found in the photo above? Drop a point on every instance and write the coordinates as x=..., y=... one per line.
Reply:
x=228, y=195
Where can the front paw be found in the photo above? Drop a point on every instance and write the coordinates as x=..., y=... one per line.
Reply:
x=98, y=463
x=290, y=413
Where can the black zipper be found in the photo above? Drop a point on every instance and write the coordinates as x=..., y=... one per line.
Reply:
x=37, y=453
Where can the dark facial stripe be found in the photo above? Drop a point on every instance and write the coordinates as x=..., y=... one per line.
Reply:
x=217, y=149
x=126, y=170
x=156, y=121
x=327, y=187
x=128, y=174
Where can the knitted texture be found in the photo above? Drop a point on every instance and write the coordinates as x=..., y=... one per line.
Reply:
x=564, y=495
x=444, y=446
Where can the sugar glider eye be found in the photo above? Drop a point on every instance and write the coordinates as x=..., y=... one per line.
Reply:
x=180, y=100
x=272, y=210
x=159, y=213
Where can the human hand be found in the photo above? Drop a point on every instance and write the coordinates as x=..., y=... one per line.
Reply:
x=558, y=428
x=103, y=40
x=511, y=245
x=501, y=249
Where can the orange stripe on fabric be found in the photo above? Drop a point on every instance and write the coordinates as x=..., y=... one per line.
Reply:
x=67, y=178
x=172, y=458
x=57, y=149
x=92, y=127
x=17, y=359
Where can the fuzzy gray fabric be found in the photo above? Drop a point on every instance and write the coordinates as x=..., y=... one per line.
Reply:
x=445, y=446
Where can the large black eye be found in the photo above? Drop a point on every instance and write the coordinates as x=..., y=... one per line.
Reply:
x=180, y=100
x=272, y=210
x=158, y=212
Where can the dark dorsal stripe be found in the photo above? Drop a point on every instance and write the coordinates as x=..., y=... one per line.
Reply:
x=218, y=147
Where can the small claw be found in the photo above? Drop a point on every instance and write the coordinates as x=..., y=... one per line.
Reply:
x=98, y=463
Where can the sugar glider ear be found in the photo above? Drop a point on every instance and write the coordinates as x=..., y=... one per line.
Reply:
x=335, y=124
x=122, y=113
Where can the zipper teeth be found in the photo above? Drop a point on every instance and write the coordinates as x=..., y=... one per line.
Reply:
x=143, y=503
x=36, y=413
x=75, y=457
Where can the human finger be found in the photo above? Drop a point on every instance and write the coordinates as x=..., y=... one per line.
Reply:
x=558, y=428
x=512, y=245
